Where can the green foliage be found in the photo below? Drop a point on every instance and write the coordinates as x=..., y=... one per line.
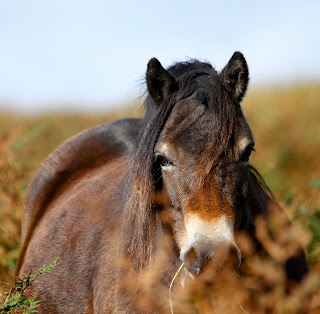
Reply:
x=14, y=300
x=309, y=215
x=315, y=183
x=288, y=198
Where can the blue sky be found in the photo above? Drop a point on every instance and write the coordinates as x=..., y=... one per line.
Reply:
x=91, y=54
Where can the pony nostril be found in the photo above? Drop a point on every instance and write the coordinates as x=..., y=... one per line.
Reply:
x=234, y=256
x=191, y=261
x=189, y=257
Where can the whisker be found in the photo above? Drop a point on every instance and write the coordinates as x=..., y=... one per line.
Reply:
x=174, y=277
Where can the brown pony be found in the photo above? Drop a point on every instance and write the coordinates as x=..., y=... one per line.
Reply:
x=105, y=199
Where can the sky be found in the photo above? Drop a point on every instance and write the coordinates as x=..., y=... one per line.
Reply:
x=92, y=54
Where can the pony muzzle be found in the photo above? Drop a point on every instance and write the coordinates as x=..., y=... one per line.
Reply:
x=208, y=243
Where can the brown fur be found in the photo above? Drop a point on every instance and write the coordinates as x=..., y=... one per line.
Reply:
x=207, y=198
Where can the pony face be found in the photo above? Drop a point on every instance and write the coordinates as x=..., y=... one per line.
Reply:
x=201, y=161
x=207, y=197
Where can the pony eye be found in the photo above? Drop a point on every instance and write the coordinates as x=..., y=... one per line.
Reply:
x=163, y=161
x=246, y=154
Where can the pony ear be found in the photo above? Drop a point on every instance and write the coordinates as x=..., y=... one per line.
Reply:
x=235, y=76
x=160, y=82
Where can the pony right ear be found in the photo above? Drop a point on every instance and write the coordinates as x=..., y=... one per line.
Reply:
x=235, y=76
x=160, y=82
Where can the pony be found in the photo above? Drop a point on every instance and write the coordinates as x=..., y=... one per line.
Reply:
x=176, y=185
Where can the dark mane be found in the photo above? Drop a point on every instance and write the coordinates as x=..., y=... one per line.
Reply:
x=140, y=187
x=189, y=69
x=139, y=212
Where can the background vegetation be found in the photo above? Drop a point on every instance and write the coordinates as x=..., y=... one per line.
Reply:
x=285, y=123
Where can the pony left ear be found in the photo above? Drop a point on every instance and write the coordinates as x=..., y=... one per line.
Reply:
x=235, y=76
x=160, y=82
